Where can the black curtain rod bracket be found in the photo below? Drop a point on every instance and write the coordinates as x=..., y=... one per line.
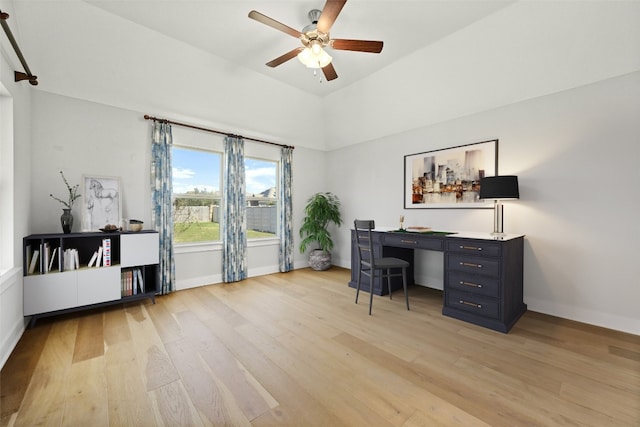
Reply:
x=156, y=119
x=19, y=76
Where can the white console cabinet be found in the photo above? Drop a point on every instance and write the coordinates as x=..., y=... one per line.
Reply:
x=59, y=279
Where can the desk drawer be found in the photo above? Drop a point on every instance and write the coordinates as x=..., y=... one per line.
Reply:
x=413, y=240
x=473, y=247
x=477, y=304
x=480, y=285
x=476, y=265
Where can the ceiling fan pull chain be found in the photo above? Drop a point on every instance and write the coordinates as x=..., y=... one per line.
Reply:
x=315, y=74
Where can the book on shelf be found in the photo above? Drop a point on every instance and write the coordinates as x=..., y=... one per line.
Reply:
x=28, y=255
x=126, y=282
x=71, y=259
x=53, y=257
x=93, y=259
x=106, y=252
x=34, y=260
x=99, y=258
x=46, y=254
x=134, y=288
x=67, y=259
x=140, y=281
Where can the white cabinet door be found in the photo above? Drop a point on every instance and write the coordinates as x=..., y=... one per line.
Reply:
x=139, y=249
x=50, y=292
x=98, y=285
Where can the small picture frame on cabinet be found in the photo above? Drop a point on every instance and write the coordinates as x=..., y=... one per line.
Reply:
x=102, y=202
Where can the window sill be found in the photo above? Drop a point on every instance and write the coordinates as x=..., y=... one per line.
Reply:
x=185, y=248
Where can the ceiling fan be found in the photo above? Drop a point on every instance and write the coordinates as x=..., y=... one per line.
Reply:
x=315, y=37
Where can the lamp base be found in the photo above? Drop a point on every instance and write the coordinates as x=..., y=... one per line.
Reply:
x=498, y=219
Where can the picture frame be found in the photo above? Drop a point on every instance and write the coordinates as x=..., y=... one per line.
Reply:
x=102, y=202
x=449, y=177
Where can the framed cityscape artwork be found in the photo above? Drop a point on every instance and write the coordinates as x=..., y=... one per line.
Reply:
x=449, y=177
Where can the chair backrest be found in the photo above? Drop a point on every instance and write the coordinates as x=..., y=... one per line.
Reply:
x=364, y=240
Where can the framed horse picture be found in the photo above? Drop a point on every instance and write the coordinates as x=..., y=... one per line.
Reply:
x=102, y=202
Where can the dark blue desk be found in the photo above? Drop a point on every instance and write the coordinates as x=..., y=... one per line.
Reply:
x=483, y=274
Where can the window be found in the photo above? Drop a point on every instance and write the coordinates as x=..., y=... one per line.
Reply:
x=262, y=197
x=197, y=196
x=196, y=177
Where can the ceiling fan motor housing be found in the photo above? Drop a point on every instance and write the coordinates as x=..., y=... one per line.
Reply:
x=310, y=35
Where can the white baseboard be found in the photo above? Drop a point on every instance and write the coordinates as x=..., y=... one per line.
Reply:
x=12, y=321
x=213, y=279
x=196, y=282
x=596, y=318
x=11, y=340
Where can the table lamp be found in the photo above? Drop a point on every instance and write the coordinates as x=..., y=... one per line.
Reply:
x=499, y=188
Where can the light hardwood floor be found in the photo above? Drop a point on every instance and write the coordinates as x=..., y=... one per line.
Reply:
x=294, y=350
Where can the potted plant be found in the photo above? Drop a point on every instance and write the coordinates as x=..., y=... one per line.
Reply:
x=321, y=210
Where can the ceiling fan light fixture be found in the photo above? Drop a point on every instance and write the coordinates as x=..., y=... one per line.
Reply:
x=314, y=56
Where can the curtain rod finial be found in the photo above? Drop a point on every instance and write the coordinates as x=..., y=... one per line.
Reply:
x=19, y=76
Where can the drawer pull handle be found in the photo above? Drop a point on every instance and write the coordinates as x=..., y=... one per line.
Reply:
x=468, y=264
x=473, y=248
x=413, y=242
x=473, y=285
x=472, y=304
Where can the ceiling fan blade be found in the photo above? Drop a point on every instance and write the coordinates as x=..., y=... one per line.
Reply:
x=264, y=19
x=329, y=72
x=357, y=45
x=284, y=58
x=329, y=14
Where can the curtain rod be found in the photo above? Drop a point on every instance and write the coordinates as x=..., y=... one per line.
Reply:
x=18, y=75
x=156, y=119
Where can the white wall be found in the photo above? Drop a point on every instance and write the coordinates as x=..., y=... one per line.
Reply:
x=528, y=49
x=576, y=155
x=16, y=97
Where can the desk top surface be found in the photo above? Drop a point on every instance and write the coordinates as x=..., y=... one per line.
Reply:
x=456, y=234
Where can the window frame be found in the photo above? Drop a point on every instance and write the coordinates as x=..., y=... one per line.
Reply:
x=276, y=199
x=7, y=246
x=197, y=246
x=219, y=197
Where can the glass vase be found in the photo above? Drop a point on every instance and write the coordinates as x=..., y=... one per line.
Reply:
x=66, y=220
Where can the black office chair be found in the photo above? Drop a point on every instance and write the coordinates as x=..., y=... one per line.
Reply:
x=368, y=263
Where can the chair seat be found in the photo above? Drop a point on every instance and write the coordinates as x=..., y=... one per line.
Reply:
x=390, y=263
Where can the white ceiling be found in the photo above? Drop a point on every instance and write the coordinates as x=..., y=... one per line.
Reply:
x=223, y=29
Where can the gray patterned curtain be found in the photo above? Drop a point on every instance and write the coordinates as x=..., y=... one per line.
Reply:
x=162, y=208
x=234, y=231
x=286, y=216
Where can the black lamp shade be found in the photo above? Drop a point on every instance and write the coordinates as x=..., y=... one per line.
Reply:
x=499, y=187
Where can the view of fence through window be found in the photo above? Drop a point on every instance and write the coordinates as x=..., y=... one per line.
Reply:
x=197, y=196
